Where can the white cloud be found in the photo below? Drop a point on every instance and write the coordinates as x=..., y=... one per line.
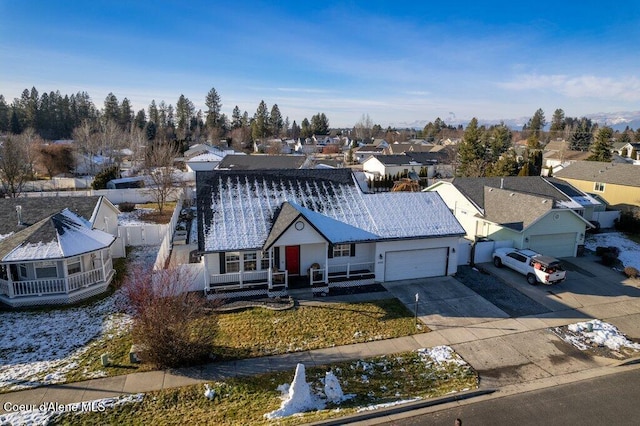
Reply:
x=584, y=86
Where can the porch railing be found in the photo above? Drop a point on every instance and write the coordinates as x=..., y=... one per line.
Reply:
x=46, y=286
x=350, y=269
x=239, y=278
x=317, y=276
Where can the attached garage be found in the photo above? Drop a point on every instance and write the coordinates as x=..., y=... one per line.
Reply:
x=412, y=264
x=556, y=245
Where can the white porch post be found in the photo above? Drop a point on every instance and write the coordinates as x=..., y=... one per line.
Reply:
x=326, y=265
x=65, y=275
x=269, y=279
x=102, y=265
x=207, y=278
x=12, y=293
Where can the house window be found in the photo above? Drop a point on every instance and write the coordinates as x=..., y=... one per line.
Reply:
x=232, y=262
x=265, y=262
x=598, y=187
x=250, y=261
x=46, y=269
x=342, y=250
x=74, y=266
x=23, y=270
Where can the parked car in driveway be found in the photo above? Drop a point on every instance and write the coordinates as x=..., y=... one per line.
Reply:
x=536, y=267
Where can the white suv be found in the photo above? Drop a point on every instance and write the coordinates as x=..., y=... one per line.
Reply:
x=536, y=267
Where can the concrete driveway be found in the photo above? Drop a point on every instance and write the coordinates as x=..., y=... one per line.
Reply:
x=518, y=349
x=591, y=290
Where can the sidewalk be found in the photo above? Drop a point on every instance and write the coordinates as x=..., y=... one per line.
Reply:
x=514, y=354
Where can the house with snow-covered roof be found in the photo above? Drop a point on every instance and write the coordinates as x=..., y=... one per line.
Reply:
x=261, y=231
x=50, y=254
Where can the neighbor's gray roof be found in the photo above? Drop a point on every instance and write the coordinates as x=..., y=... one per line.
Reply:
x=261, y=162
x=473, y=188
x=237, y=210
x=35, y=209
x=595, y=171
x=63, y=234
x=513, y=209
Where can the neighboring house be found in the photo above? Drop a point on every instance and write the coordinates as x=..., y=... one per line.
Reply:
x=616, y=183
x=203, y=157
x=259, y=231
x=363, y=152
x=380, y=143
x=533, y=212
x=50, y=254
x=378, y=166
x=631, y=150
x=401, y=148
x=261, y=161
x=556, y=154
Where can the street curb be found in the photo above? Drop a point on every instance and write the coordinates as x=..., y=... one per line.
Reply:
x=632, y=361
x=404, y=407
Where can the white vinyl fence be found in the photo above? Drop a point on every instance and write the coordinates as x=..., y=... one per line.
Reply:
x=116, y=196
x=483, y=250
x=165, y=244
x=606, y=219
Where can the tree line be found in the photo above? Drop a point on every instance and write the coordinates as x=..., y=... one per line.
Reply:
x=488, y=150
x=55, y=116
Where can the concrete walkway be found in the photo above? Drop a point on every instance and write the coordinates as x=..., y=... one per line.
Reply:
x=512, y=354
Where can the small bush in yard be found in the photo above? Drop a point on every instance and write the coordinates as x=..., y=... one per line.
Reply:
x=167, y=319
x=126, y=207
x=631, y=272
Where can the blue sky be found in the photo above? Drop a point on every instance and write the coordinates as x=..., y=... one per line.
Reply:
x=397, y=61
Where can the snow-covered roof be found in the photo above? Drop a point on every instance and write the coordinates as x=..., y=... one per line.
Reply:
x=207, y=157
x=64, y=234
x=237, y=210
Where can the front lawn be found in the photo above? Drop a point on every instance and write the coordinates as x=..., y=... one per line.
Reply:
x=365, y=383
x=258, y=332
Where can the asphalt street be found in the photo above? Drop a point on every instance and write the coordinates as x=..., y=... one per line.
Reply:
x=606, y=400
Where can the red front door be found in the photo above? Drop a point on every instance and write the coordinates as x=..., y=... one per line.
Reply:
x=292, y=259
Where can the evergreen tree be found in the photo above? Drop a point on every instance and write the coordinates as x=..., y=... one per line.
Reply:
x=471, y=151
x=557, y=124
x=184, y=113
x=499, y=141
x=236, y=118
x=260, y=126
x=305, y=129
x=126, y=115
x=111, y=110
x=295, y=130
x=5, y=117
x=581, y=135
x=141, y=120
x=601, y=146
x=214, y=105
x=275, y=121
x=319, y=124
x=15, y=126
x=153, y=112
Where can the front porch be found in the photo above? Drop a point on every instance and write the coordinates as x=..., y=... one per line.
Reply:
x=273, y=283
x=19, y=287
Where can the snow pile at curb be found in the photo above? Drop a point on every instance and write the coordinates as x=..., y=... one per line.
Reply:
x=599, y=333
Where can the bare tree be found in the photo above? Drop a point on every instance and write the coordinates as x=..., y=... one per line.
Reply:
x=14, y=165
x=168, y=320
x=159, y=167
x=56, y=159
x=87, y=145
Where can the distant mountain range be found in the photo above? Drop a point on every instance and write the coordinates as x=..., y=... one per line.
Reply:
x=616, y=120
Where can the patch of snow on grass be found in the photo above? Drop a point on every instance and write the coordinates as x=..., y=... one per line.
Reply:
x=441, y=355
x=39, y=348
x=133, y=217
x=601, y=334
x=43, y=414
x=629, y=250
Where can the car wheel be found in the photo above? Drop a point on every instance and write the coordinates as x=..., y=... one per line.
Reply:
x=531, y=279
x=497, y=262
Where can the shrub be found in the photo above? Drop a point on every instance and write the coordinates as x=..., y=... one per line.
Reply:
x=169, y=323
x=609, y=259
x=631, y=272
x=101, y=179
x=127, y=207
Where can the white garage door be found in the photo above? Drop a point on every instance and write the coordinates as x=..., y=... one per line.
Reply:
x=557, y=245
x=410, y=264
